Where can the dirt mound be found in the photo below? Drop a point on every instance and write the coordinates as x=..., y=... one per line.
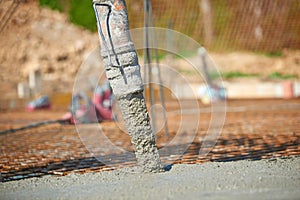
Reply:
x=40, y=38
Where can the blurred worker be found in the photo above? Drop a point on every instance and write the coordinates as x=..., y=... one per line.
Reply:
x=82, y=109
x=103, y=101
x=42, y=102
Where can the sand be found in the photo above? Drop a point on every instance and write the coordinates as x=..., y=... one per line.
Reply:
x=263, y=179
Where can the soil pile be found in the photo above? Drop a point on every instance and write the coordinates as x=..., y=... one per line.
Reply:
x=40, y=38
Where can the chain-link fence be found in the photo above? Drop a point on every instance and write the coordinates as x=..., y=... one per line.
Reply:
x=256, y=25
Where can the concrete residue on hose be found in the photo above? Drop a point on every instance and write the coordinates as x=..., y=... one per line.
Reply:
x=123, y=73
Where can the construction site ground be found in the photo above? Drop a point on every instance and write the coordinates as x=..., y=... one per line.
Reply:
x=253, y=130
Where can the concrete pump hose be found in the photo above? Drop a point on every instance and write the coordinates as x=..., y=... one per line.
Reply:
x=123, y=72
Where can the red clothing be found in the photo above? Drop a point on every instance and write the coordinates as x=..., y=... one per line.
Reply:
x=103, y=102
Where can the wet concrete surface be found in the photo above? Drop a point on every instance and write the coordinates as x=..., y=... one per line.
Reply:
x=274, y=178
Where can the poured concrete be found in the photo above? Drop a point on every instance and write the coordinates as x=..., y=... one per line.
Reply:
x=263, y=179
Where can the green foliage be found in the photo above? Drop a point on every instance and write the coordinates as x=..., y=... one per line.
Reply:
x=271, y=54
x=82, y=13
x=277, y=75
x=53, y=4
x=274, y=54
x=187, y=72
x=186, y=54
x=237, y=74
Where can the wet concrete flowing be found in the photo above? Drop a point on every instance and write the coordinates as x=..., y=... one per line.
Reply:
x=137, y=120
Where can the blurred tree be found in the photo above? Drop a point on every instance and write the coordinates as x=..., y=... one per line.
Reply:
x=81, y=13
x=53, y=4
